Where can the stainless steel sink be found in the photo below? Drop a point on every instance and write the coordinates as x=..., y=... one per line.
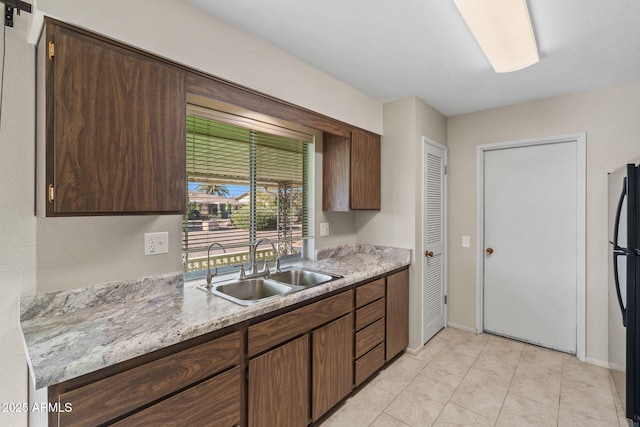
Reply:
x=253, y=290
x=299, y=278
x=248, y=291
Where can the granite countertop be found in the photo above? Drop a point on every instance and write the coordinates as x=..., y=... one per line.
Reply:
x=71, y=333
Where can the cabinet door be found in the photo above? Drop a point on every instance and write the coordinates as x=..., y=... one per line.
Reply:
x=213, y=403
x=111, y=397
x=397, y=313
x=115, y=129
x=332, y=364
x=279, y=386
x=365, y=171
x=336, y=153
x=351, y=172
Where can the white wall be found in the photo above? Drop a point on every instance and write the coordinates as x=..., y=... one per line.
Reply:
x=610, y=118
x=399, y=222
x=17, y=223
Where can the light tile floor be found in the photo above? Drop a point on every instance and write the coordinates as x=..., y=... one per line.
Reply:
x=461, y=378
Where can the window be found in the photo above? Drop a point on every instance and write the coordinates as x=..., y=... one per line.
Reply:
x=247, y=180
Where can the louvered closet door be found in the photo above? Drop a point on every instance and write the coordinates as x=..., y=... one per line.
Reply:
x=433, y=313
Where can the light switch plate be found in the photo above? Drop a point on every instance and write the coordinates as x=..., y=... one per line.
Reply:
x=466, y=241
x=156, y=243
x=324, y=229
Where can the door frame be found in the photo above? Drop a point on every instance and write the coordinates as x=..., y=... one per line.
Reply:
x=433, y=143
x=581, y=213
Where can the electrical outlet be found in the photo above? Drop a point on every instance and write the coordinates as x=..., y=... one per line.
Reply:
x=156, y=243
x=466, y=241
x=324, y=229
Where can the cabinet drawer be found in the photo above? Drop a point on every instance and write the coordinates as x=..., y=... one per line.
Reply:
x=272, y=332
x=369, y=313
x=215, y=403
x=113, y=396
x=369, y=363
x=369, y=337
x=369, y=292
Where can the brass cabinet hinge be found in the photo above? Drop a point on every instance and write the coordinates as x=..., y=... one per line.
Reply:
x=51, y=50
x=50, y=193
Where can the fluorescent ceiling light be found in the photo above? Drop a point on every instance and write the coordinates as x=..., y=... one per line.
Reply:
x=503, y=31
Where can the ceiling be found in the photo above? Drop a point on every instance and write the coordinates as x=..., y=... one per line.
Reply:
x=394, y=49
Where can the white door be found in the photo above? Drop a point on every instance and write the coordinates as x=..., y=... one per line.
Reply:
x=433, y=240
x=530, y=239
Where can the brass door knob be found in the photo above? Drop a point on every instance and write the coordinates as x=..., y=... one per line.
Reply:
x=489, y=251
x=428, y=253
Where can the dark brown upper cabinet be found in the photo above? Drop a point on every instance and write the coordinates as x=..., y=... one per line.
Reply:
x=115, y=128
x=351, y=172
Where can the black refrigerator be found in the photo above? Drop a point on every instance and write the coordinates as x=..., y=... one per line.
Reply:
x=624, y=287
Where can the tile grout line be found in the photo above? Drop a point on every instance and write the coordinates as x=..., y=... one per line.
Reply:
x=434, y=356
x=560, y=394
x=461, y=381
x=616, y=398
x=405, y=387
x=456, y=388
x=448, y=341
x=509, y=388
x=389, y=415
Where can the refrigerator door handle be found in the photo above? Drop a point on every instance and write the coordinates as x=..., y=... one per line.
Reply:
x=618, y=251
x=616, y=225
x=616, y=254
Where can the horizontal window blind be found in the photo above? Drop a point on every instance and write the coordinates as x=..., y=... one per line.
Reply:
x=244, y=184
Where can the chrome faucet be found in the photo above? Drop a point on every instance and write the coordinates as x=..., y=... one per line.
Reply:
x=253, y=262
x=215, y=273
x=265, y=268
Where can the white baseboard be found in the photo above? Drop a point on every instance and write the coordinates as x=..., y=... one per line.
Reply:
x=414, y=351
x=461, y=327
x=597, y=362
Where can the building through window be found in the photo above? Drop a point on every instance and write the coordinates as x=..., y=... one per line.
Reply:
x=247, y=180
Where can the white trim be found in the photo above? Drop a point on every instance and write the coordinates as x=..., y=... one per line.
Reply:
x=479, y=238
x=36, y=26
x=462, y=327
x=581, y=214
x=597, y=362
x=581, y=245
x=445, y=158
x=414, y=351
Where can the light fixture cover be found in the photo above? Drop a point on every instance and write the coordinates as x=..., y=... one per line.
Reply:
x=503, y=31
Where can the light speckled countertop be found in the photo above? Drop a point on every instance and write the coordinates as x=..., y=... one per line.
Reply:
x=71, y=333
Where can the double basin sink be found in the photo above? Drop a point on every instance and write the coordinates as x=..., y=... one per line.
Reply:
x=251, y=291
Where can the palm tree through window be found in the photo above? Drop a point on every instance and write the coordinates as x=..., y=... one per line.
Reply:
x=244, y=183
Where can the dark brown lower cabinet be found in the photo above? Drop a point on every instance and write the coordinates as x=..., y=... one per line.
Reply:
x=279, y=386
x=397, y=313
x=214, y=403
x=332, y=370
x=110, y=398
x=368, y=364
